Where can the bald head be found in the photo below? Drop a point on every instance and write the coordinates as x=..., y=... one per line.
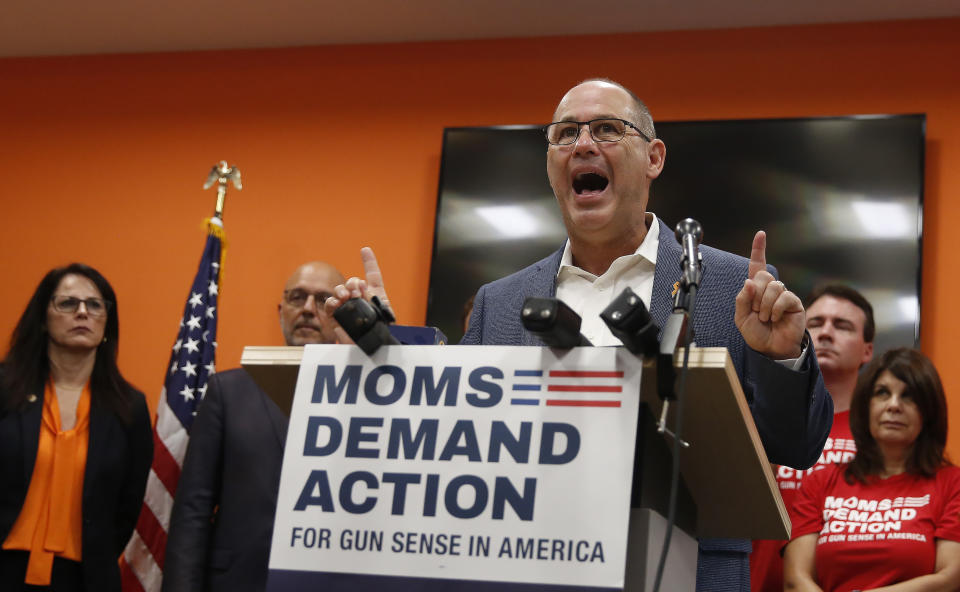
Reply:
x=302, y=319
x=314, y=271
x=639, y=113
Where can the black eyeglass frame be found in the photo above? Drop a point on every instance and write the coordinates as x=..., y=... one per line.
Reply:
x=316, y=297
x=580, y=125
x=107, y=304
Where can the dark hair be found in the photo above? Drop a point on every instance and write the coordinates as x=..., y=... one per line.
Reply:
x=924, y=387
x=467, y=310
x=644, y=118
x=845, y=292
x=26, y=366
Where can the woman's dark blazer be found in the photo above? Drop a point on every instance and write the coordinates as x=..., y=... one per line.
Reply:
x=118, y=462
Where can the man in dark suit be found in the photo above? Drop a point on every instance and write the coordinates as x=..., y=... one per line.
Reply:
x=222, y=519
x=603, y=154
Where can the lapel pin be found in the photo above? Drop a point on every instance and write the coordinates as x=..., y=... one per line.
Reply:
x=676, y=288
x=31, y=398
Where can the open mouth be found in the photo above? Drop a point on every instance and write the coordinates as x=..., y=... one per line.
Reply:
x=589, y=183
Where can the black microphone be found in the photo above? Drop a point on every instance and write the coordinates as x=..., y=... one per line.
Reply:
x=366, y=323
x=689, y=233
x=553, y=321
x=631, y=323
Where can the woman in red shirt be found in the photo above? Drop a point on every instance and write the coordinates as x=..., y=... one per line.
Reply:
x=890, y=519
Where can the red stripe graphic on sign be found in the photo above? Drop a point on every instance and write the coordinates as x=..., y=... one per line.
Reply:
x=585, y=374
x=563, y=403
x=583, y=388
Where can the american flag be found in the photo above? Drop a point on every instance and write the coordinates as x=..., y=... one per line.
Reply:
x=190, y=366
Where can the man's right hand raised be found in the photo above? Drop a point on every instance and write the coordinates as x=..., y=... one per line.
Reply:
x=770, y=317
x=356, y=287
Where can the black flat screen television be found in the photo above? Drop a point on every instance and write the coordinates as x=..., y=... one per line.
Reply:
x=841, y=199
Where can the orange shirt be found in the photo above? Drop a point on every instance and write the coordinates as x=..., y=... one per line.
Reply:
x=50, y=522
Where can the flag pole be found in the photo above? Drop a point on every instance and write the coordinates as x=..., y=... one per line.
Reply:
x=191, y=363
x=222, y=174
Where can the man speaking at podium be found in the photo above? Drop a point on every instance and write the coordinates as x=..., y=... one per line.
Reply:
x=602, y=156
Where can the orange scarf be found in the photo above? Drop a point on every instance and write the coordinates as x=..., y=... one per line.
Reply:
x=50, y=522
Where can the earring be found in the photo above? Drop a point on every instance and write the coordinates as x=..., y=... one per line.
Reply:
x=104, y=340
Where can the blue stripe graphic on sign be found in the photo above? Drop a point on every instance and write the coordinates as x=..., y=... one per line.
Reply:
x=528, y=372
x=524, y=402
x=281, y=580
x=526, y=387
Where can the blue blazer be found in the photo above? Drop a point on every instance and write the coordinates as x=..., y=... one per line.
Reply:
x=792, y=410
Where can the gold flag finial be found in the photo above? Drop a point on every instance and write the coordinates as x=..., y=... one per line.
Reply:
x=221, y=174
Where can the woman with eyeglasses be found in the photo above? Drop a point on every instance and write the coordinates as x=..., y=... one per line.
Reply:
x=890, y=519
x=75, y=440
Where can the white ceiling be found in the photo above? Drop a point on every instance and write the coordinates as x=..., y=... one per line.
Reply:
x=71, y=27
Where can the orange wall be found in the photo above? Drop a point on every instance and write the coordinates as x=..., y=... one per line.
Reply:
x=102, y=158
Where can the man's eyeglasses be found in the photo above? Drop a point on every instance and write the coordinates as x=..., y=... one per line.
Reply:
x=564, y=133
x=96, y=307
x=298, y=297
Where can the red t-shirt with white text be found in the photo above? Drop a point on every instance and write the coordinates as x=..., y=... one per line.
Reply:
x=766, y=563
x=876, y=534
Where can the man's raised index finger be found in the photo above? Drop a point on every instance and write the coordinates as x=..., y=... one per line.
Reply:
x=371, y=269
x=758, y=254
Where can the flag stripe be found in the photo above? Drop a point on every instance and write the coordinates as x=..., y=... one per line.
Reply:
x=153, y=535
x=146, y=573
x=128, y=579
x=171, y=431
x=158, y=500
x=165, y=467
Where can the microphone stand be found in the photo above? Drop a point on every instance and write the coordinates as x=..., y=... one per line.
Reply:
x=628, y=319
x=678, y=332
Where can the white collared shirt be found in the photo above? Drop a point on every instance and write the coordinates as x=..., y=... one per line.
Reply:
x=588, y=294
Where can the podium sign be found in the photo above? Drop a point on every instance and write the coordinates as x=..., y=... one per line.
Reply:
x=457, y=467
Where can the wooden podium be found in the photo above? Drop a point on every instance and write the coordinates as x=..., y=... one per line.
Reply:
x=727, y=489
x=727, y=486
